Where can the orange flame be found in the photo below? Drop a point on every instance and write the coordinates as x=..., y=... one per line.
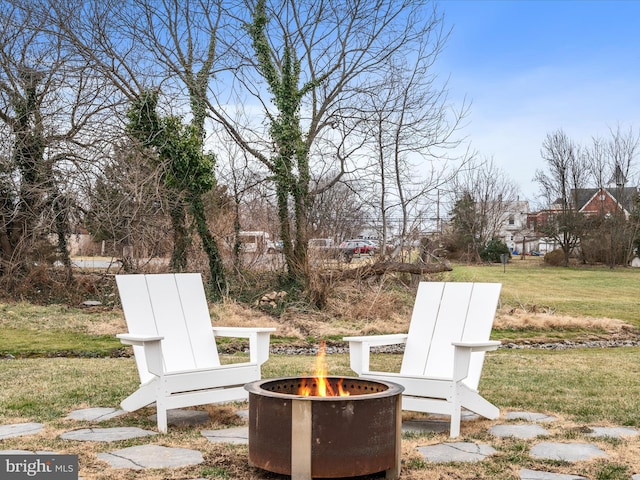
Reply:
x=322, y=387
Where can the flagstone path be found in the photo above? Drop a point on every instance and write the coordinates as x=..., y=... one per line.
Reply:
x=19, y=429
x=155, y=456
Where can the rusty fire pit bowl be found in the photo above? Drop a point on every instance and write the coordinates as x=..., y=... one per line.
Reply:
x=325, y=437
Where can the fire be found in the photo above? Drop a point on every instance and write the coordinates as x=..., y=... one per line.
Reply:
x=323, y=388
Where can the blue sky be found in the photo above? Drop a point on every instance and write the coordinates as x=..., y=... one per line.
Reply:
x=533, y=67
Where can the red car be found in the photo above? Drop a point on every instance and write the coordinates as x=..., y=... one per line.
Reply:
x=358, y=247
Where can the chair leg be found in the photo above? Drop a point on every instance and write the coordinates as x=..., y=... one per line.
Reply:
x=145, y=395
x=456, y=415
x=473, y=401
x=161, y=413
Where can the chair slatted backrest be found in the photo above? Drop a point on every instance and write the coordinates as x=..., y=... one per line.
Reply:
x=446, y=312
x=173, y=306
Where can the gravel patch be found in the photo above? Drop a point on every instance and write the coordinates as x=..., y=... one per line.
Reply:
x=399, y=349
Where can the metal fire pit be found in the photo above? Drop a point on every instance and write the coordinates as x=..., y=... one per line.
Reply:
x=325, y=437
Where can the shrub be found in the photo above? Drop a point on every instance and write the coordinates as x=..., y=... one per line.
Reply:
x=493, y=249
x=555, y=258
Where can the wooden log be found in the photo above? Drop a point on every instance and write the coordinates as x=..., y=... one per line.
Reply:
x=380, y=268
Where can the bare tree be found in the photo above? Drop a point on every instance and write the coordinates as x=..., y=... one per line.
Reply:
x=168, y=48
x=48, y=105
x=612, y=165
x=308, y=67
x=253, y=200
x=411, y=126
x=127, y=209
x=623, y=150
x=338, y=212
x=285, y=80
x=484, y=195
x=566, y=174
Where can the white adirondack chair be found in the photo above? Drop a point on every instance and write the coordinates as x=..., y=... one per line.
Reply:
x=173, y=340
x=444, y=350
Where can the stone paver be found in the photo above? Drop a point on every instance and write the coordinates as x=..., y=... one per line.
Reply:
x=524, y=432
x=98, y=414
x=237, y=435
x=152, y=456
x=425, y=426
x=614, y=432
x=243, y=413
x=91, y=303
x=184, y=418
x=569, y=452
x=536, y=475
x=529, y=417
x=106, y=434
x=465, y=415
x=456, y=452
x=19, y=429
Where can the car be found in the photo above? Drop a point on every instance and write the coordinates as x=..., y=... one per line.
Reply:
x=356, y=247
x=364, y=240
x=275, y=247
x=372, y=243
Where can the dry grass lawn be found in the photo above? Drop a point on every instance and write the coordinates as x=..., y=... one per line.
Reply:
x=369, y=311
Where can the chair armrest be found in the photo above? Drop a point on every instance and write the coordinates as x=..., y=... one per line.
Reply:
x=462, y=356
x=360, y=348
x=152, y=347
x=379, y=340
x=258, y=340
x=478, y=346
x=240, y=332
x=139, y=340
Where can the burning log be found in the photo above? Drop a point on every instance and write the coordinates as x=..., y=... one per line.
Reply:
x=319, y=386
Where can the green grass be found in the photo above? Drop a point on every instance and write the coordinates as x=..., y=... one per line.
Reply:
x=54, y=317
x=589, y=385
x=45, y=389
x=575, y=291
x=29, y=342
x=581, y=387
x=38, y=330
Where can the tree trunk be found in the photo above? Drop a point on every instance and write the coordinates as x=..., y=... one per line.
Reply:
x=62, y=231
x=180, y=242
x=381, y=268
x=300, y=257
x=282, y=194
x=218, y=285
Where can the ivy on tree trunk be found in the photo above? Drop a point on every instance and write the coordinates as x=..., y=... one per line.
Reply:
x=188, y=174
x=291, y=165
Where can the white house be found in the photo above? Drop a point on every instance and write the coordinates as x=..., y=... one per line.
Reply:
x=514, y=230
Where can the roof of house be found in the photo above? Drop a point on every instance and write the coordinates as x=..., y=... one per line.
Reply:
x=625, y=196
